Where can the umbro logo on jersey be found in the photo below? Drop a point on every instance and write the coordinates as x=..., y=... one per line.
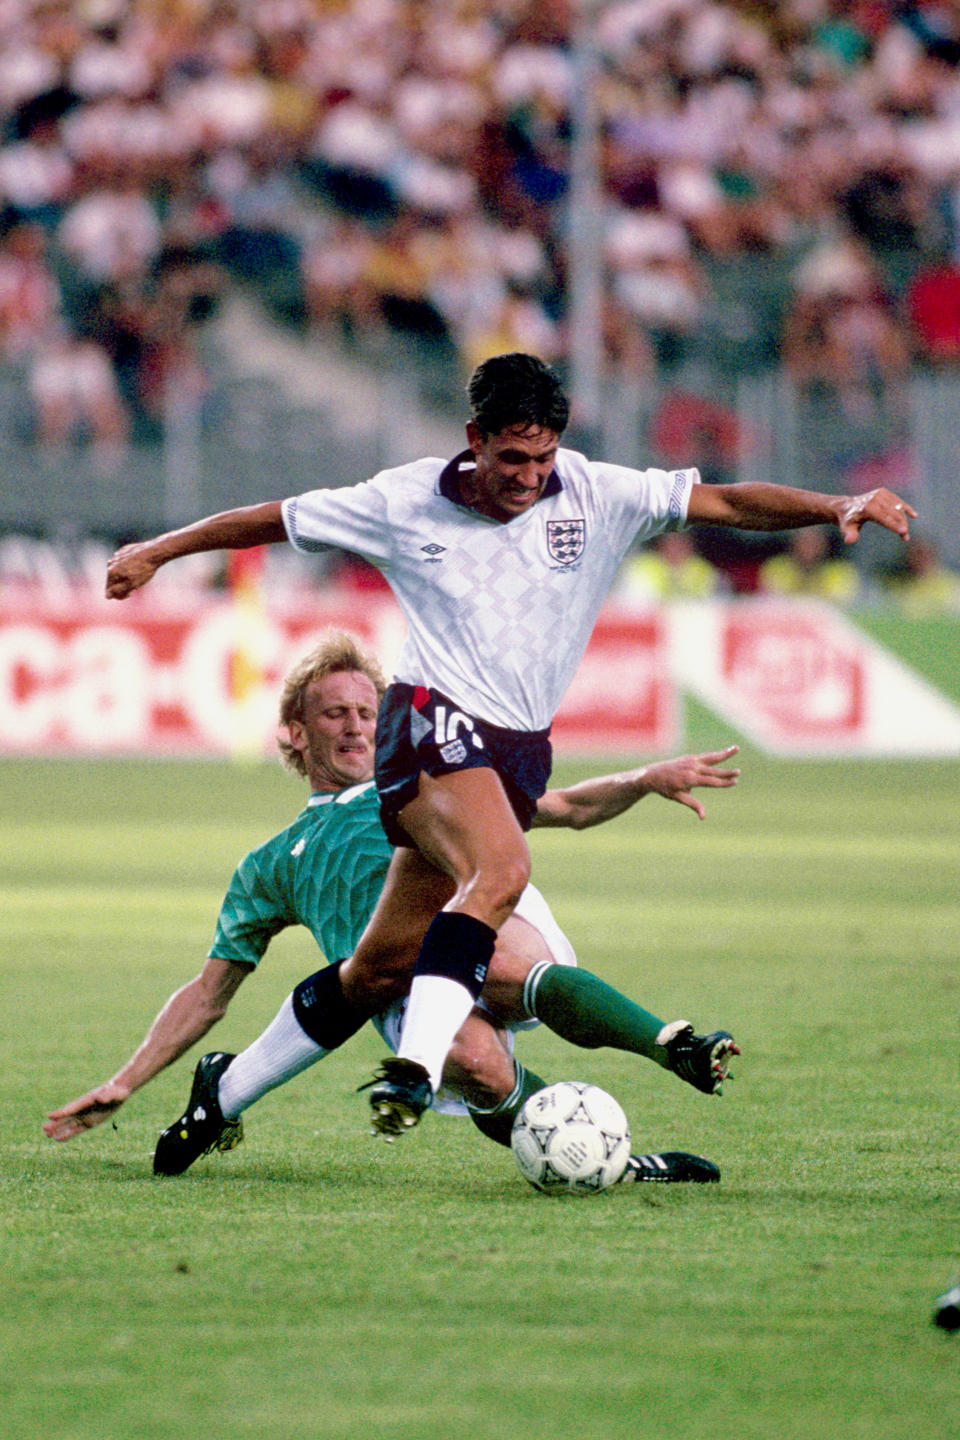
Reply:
x=433, y=550
x=566, y=539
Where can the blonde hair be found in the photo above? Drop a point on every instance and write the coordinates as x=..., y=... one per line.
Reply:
x=336, y=651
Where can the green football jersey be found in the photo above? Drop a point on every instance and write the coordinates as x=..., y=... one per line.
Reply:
x=325, y=871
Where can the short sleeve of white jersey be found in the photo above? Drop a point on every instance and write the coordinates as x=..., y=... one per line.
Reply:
x=641, y=503
x=353, y=518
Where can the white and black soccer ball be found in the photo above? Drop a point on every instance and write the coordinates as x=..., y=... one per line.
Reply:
x=571, y=1138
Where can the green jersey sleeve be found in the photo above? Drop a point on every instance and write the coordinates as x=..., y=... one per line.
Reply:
x=252, y=913
x=325, y=872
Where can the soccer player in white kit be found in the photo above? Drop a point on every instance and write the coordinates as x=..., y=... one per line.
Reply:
x=500, y=560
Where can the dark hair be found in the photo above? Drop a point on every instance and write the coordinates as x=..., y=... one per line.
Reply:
x=516, y=389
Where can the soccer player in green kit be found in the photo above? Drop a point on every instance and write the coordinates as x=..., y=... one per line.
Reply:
x=325, y=871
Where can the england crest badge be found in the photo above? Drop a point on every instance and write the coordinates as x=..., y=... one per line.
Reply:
x=565, y=540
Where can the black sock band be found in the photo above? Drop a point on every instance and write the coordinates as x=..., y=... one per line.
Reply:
x=458, y=947
x=322, y=1011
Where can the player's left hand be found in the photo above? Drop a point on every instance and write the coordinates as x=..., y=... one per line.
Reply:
x=881, y=506
x=86, y=1112
x=674, y=779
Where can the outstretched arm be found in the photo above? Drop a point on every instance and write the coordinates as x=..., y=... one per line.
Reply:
x=185, y=1018
x=593, y=801
x=780, y=507
x=134, y=565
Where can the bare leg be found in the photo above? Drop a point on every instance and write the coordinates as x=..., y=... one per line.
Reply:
x=520, y=946
x=479, y=1064
x=464, y=824
x=379, y=970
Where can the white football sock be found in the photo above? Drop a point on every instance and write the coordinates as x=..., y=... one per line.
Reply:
x=278, y=1053
x=436, y=1009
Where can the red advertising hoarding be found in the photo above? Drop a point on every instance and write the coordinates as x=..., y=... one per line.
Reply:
x=154, y=677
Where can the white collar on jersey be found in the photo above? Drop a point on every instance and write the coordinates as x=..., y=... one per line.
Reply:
x=339, y=797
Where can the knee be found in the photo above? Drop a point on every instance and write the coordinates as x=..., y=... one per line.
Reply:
x=503, y=990
x=373, y=981
x=483, y=1073
x=514, y=879
x=496, y=888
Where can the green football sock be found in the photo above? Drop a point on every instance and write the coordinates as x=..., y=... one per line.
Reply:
x=588, y=1012
x=496, y=1124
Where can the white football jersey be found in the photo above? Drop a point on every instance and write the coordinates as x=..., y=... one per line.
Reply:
x=498, y=614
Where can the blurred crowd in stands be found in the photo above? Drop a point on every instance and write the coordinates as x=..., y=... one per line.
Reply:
x=781, y=187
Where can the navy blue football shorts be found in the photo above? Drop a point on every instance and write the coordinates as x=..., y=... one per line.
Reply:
x=420, y=730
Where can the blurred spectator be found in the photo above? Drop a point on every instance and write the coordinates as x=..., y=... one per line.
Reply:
x=936, y=26
x=656, y=281
x=490, y=280
x=840, y=36
x=399, y=271
x=352, y=157
x=75, y=395
x=170, y=379
x=29, y=294
x=111, y=230
x=668, y=569
x=920, y=582
x=811, y=565
x=517, y=322
x=710, y=439
x=932, y=305
x=627, y=348
x=841, y=334
x=260, y=239
x=36, y=176
x=334, y=266
x=689, y=429
x=108, y=60
x=886, y=207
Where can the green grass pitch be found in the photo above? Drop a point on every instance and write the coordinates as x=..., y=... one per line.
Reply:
x=319, y=1285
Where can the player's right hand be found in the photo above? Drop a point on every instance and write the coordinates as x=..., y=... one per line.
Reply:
x=131, y=567
x=86, y=1112
x=674, y=779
